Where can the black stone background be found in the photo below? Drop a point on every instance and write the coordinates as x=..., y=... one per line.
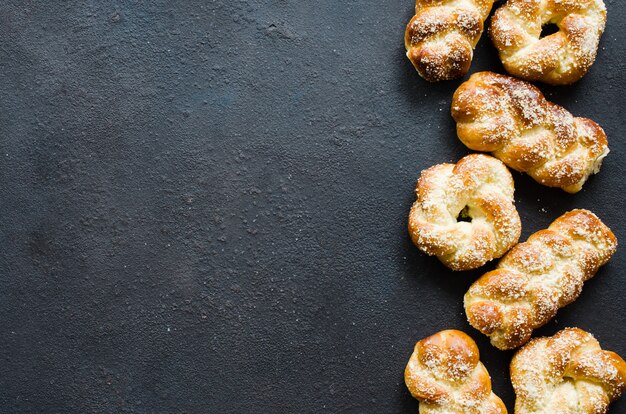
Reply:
x=204, y=206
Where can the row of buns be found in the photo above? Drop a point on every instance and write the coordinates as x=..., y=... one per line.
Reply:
x=465, y=214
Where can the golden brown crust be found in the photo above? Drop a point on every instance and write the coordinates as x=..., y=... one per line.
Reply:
x=441, y=37
x=537, y=278
x=512, y=119
x=483, y=185
x=445, y=374
x=566, y=373
x=560, y=58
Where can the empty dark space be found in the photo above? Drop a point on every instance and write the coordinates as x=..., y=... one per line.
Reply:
x=548, y=29
x=204, y=206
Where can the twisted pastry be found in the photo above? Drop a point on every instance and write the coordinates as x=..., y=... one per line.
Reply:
x=567, y=373
x=537, y=278
x=445, y=374
x=560, y=58
x=479, y=187
x=441, y=37
x=513, y=120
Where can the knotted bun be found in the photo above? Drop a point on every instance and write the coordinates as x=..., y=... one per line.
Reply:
x=445, y=374
x=560, y=58
x=479, y=187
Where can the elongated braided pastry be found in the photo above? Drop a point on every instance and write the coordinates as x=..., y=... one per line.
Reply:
x=537, y=278
x=567, y=373
x=478, y=189
x=512, y=119
x=445, y=374
x=560, y=58
x=441, y=37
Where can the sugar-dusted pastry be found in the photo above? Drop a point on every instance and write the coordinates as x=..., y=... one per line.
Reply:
x=445, y=374
x=567, y=373
x=441, y=37
x=537, y=278
x=464, y=212
x=512, y=119
x=559, y=58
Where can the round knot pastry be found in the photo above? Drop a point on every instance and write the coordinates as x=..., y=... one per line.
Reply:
x=513, y=120
x=537, y=278
x=445, y=374
x=441, y=37
x=465, y=213
x=566, y=373
x=558, y=59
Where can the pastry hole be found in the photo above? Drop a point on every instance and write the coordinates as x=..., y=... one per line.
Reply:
x=548, y=29
x=464, y=215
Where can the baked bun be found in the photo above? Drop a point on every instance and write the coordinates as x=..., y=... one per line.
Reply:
x=445, y=374
x=512, y=119
x=441, y=37
x=567, y=373
x=478, y=189
x=537, y=278
x=558, y=59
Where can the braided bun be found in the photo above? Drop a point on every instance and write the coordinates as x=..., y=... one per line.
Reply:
x=537, y=278
x=512, y=119
x=441, y=37
x=566, y=373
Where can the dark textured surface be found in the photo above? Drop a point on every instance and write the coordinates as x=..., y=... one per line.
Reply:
x=204, y=206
